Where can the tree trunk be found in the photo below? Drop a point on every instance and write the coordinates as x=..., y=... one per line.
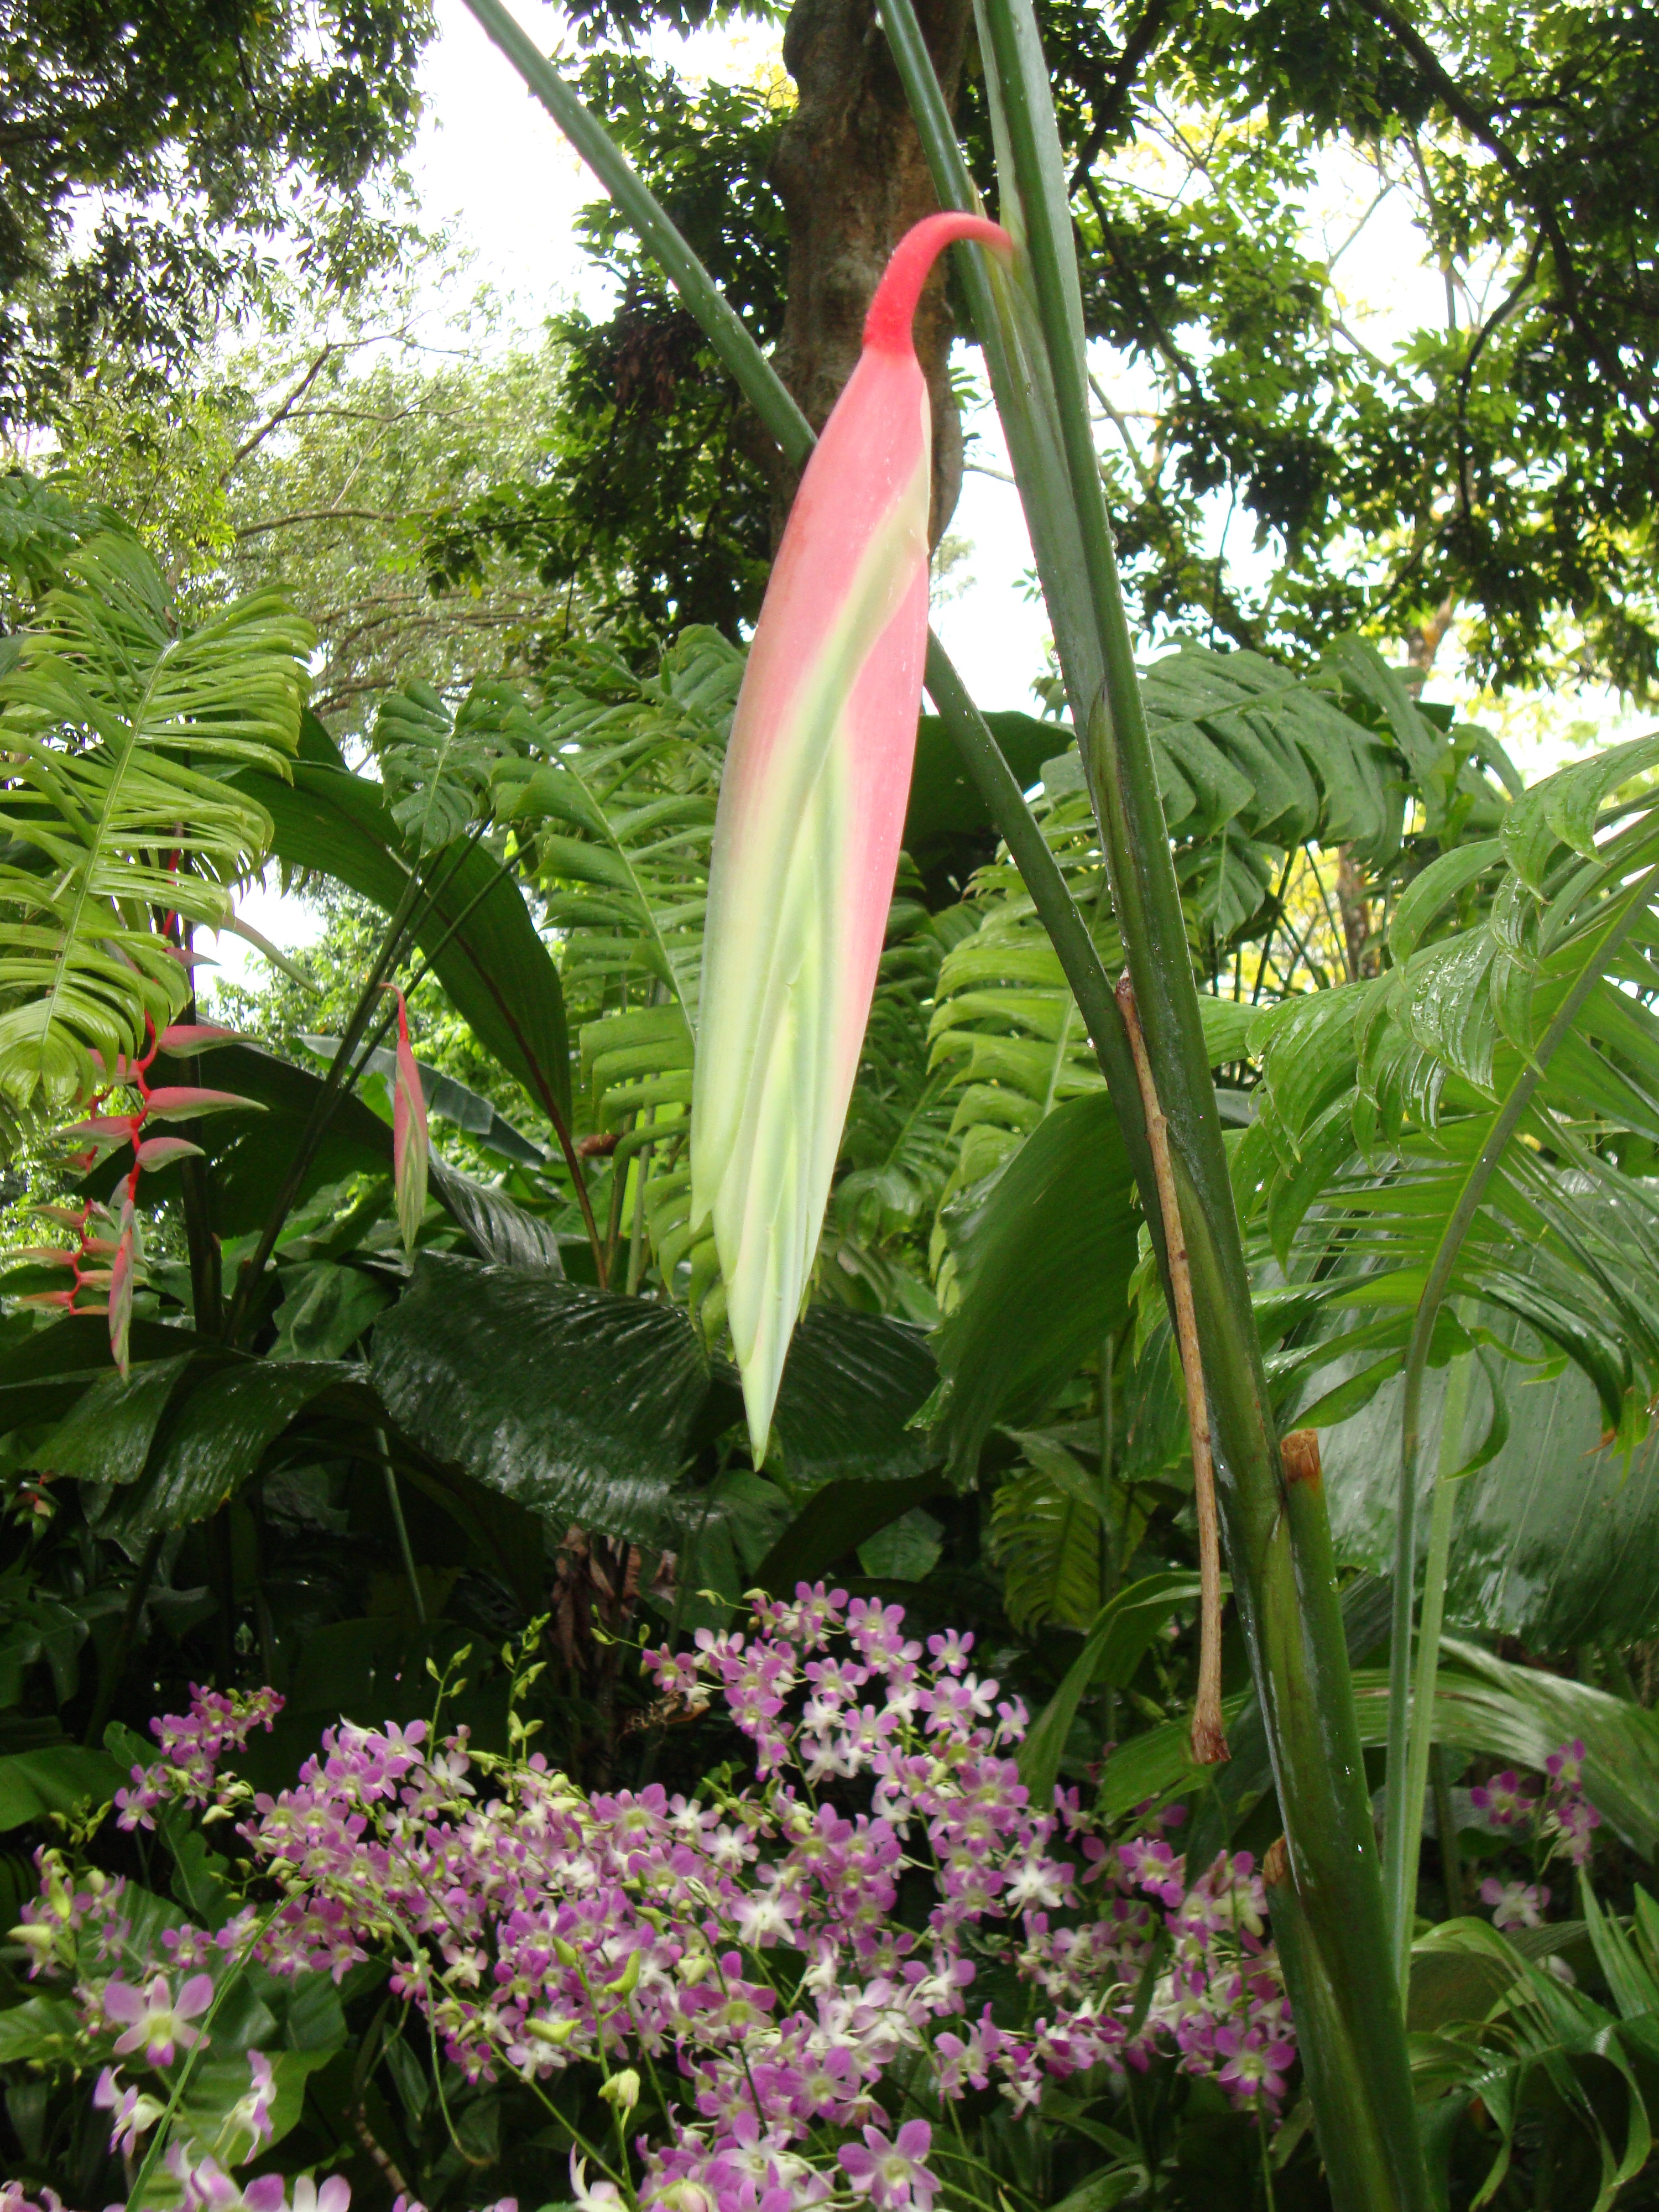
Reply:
x=850, y=172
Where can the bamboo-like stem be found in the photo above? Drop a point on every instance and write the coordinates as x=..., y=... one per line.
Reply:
x=1209, y=1735
x=1627, y=908
x=1421, y=1737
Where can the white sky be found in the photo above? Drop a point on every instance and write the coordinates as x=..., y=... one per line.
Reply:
x=491, y=166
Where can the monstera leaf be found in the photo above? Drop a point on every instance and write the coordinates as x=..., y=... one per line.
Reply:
x=118, y=728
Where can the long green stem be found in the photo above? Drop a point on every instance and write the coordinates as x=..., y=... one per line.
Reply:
x=1627, y=908
x=1435, y=1566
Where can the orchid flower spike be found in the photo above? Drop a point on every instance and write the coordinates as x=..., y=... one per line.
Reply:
x=806, y=839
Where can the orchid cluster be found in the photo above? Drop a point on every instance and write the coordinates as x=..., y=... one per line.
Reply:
x=772, y=1981
x=1560, y=1821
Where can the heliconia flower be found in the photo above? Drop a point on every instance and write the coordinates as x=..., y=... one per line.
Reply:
x=410, y=1142
x=174, y=1102
x=806, y=838
x=157, y=1152
x=191, y=1036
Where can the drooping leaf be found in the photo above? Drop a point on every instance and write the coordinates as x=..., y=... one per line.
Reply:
x=1555, y=1541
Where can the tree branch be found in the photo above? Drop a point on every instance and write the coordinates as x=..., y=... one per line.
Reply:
x=1136, y=48
x=1484, y=131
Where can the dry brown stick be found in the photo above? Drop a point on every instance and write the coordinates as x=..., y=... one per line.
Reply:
x=1209, y=1737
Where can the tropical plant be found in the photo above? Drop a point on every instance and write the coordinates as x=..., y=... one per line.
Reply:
x=354, y=1432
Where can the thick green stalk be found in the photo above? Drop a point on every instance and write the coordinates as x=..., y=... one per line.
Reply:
x=1397, y=1852
x=1435, y=1566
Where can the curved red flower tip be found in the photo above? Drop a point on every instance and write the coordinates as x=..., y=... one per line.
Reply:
x=411, y=1143
x=123, y=1275
x=160, y=1152
x=177, y=1101
x=807, y=839
x=194, y=1037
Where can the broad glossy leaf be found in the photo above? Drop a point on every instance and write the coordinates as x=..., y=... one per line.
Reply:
x=575, y=1401
x=1483, y=1705
x=107, y=1436
x=1044, y=1255
x=851, y=1385
x=499, y=1228
x=215, y=1439
x=1555, y=1541
x=64, y=1778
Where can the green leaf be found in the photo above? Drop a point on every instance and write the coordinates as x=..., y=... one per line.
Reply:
x=107, y=1437
x=451, y=1102
x=436, y=764
x=479, y=932
x=42, y=2029
x=64, y=1779
x=1521, y=1714
x=851, y=1384
x=117, y=726
x=326, y=1309
x=834, y=1523
x=1044, y=1255
x=1555, y=1540
x=215, y=1439
x=1046, y=1532
x=574, y=1402
x=1120, y=1632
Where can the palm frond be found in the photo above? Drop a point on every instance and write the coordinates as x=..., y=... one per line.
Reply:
x=437, y=763
x=117, y=732
x=1380, y=1101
